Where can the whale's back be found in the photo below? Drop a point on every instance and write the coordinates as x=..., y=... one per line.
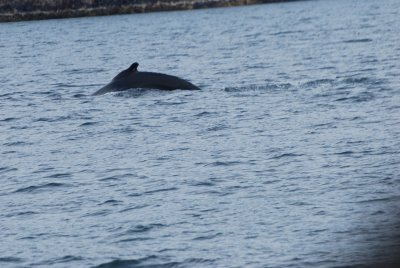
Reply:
x=133, y=79
x=146, y=80
x=161, y=81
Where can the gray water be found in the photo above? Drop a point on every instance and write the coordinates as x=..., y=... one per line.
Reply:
x=289, y=156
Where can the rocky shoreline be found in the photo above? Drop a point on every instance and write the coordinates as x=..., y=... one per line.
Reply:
x=19, y=10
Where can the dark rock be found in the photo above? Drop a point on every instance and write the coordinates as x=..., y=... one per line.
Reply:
x=17, y=10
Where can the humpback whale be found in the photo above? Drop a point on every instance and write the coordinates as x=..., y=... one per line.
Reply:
x=132, y=78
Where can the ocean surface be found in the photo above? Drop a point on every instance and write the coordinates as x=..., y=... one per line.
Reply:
x=289, y=156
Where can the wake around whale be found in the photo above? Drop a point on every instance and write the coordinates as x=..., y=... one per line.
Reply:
x=132, y=78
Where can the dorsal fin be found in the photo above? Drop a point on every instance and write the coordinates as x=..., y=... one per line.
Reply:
x=127, y=72
x=133, y=67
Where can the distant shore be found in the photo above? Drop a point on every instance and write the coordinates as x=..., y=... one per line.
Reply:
x=19, y=10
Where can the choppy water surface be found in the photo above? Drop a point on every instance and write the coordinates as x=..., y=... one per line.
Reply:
x=288, y=157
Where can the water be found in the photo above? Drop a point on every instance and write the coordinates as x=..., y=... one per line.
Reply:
x=288, y=157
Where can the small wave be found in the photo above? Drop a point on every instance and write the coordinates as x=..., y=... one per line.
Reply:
x=266, y=87
x=9, y=152
x=217, y=128
x=102, y=212
x=161, y=190
x=154, y=261
x=111, y=178
x=4, y=170
x=345, y=153
x=19, y=127
x=133, y=208
x=59, y=175
x=207, y=237
x=65, y=259
x=35, y=188
x=22, y=213
x=87, y=124
x=68, y=258
x=10, y=259
x=128, y=129
x=127, y=174
x=258, y=66
x=224, y=163
x=324, y=126
x=132, y=93
x=17, y=143
x=205, y=114
x=133, y=263
x=50, y=94
x=317, y=82
x=111, y=202
x=79, y=96
x=271, y=181
x=286, y=155
x=356, y=80
x=10, y=94
x=62, y=85
x=169, y=103
x=386, y=199
x=8, y=119
x=286, y=33
x=363, y=80
x=53, y=119
x=134, y=239
x=364, y=40
x=203, y=183
x=49, y=43
x=84, y=40
x=142, y=229
x=363, y=97
x=43, y=169
x=85, y=71
x=379, y=212
x=328, y=68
